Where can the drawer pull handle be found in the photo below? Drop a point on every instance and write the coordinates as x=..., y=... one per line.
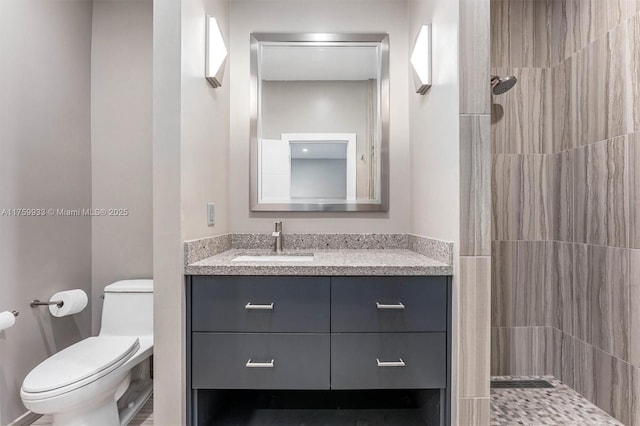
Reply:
x=267, y=307
x=260, y=364
x=394, y=306
x=399, y=363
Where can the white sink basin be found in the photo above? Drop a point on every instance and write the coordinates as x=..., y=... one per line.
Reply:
x=273, y=258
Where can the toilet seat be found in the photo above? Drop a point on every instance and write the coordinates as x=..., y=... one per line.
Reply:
x=78, y=365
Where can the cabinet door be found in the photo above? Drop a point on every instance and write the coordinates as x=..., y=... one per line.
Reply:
x=261, y=304
x=388, y=361
x=260, y=361
x=388, y=304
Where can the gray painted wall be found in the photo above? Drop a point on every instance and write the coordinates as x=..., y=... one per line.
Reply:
x=45, y=162
x=121, y=138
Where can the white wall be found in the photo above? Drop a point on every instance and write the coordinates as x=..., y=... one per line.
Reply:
x=247, y=16
x=121, y=138
x=190, y=168
x=435, y=142
x=435, y=181
x=45, y=162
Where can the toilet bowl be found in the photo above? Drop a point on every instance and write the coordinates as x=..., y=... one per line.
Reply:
x=82, y=384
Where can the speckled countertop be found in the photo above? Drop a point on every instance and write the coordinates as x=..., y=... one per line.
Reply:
x=341, y=262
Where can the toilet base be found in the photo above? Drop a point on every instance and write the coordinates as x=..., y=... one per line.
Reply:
x=104, y=412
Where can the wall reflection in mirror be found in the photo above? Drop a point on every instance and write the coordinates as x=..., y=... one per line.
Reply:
x=320, y=133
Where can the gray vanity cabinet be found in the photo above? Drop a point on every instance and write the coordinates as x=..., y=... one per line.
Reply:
x=319, y=333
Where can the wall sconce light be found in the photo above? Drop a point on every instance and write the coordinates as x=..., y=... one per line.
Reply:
x=421, y=60
x=215, y=53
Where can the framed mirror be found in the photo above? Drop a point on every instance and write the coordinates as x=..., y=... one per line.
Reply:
x=319, y=122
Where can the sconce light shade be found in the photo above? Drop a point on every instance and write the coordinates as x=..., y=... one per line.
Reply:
x=421, y=60
x=215, y=54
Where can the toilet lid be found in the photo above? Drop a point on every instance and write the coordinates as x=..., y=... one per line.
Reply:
x=79, y=361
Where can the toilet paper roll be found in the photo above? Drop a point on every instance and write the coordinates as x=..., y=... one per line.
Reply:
x=7, y=319
x=73, y=301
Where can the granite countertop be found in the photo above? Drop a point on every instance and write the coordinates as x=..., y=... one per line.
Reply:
x=339, y=262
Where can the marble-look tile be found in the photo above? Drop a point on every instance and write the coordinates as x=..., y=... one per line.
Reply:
x=634, y=185
x=584, y=381
x=532, y=302
x=599, y=86
x=601, y=193
x=634, y=68
x=560, y=189
x=504, y=272
x=567, y=360
x=634, y=327
x=612, y=385
x=474, y=57
x=633, y=7
x=591, y=19
x=634, y=397
x=474, y=411
x=521, y=33
x=506, y=189
x=517, y=351
x=634, y=267
x=562, y=299
x=522, y=117
x=475, y=325
x=562, y=106
x=475, y=185
x=601, y=294
x=522, y=208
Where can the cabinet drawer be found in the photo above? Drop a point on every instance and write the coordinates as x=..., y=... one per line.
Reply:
x=260, y=361
x=388, y=361
x=261, y=304
x=388, y=304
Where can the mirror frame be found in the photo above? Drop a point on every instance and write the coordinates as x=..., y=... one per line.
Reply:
x=381, y=205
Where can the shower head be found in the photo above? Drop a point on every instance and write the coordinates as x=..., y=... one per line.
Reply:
x=502, y=85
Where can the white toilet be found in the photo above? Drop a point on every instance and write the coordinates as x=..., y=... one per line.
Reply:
x=100, y=380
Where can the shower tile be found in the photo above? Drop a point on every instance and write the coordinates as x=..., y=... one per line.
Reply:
x=562, y=299
x=633, y=7
x=591, y=19
x=601, y=294
x=506, y=188
x=560, y=189
x=521, y=117
x=634, y=267
x=522, y=208
x=601, y=193
x=475, y=326
x=474, y=57
x=536, y=207
x=612, y=385
x=634, y=185
x=475, y=186
x=567, y=367
x=503, y=281
x=634, y=58
x=634, y=327
x=475, y=411
x=634, y=397
x=562, y=104
x=517, y=351
x=584, y=378
x=532, y=298
x=598, y=89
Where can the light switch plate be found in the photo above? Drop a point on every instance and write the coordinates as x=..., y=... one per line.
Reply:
x=211, y=214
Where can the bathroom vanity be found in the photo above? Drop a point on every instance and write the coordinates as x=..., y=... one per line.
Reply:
x=353, y=328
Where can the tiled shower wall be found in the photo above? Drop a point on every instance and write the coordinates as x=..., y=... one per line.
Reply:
x=566, y=197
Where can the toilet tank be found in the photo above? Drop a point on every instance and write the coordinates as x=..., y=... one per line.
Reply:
x=128, y=309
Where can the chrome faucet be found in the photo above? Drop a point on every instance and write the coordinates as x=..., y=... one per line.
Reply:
x=278, y=236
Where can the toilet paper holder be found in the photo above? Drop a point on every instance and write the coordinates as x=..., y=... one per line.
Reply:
x=58, y=303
